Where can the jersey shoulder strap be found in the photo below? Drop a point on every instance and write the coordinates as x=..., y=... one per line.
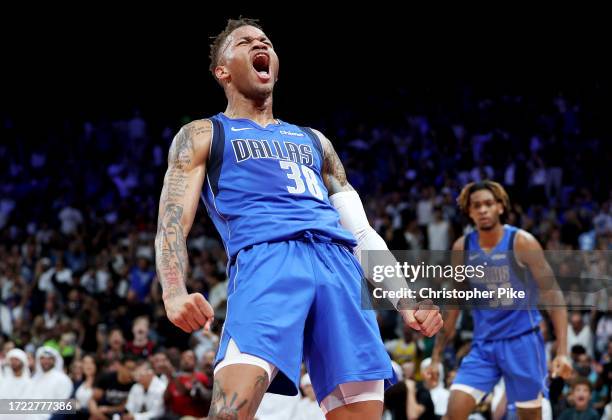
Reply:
x=215, y=155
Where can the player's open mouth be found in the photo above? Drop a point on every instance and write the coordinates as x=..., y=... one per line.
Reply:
x=261, y=64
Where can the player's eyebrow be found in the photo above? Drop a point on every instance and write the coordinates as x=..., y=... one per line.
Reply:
x=248, y=38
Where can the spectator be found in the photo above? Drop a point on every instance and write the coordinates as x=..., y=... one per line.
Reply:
x=189, y=392
x=145, y=400
x=406, y=401
x=204, y=340
x=607, y=412
x=579, y=333
x=71, y=219
x=208, y=366
x=49, y=380
x=162, y=366
x=438, y=232
x=581, y=398
x=6, y=326
x=141, y=279
x=424, y=208
x=583, y=368
x=607, y=356
x=403, y=349
x=435, y=385
x=55, y=278
x=111, y=391
x=217, y=296
x=603, y=332
x=15, y=379
x=84, y=388
x=141, y=345
x=111, y=348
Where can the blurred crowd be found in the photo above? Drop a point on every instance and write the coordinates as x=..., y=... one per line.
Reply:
x=81, y=314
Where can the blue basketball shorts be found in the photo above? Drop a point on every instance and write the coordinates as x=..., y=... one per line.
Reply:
x=300, y=300
x=520, y=360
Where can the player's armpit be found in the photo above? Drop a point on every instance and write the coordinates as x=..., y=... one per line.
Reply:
x=334, y=175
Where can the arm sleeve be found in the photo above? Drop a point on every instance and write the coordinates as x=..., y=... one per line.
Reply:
x=353, y=218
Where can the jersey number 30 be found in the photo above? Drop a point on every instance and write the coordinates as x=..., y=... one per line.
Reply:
x=295, y=175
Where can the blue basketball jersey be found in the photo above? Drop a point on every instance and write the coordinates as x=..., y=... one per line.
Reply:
x=508, y=317
x=264, y=184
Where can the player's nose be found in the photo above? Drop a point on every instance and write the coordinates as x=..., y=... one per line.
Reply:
x=259, y=45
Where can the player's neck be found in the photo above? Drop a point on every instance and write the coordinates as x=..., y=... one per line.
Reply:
x=259, y=111
x=489, y=238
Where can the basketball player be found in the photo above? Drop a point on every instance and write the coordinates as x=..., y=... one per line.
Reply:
x=290, y=222
x=507, y=342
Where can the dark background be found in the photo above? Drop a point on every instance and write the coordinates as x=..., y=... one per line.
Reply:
x=108, y=60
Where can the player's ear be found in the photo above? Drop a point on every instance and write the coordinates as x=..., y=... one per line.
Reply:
x=222, y=74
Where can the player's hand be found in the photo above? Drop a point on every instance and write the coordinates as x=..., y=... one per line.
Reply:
x=189, y=312
x=561, y=367
x=425, y=318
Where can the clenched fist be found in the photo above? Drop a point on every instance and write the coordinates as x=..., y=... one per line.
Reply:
x=425, y=318
x=562, y=366
x=189, y=312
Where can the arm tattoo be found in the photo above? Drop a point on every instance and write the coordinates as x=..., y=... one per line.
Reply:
x=181, y=151
x=170, y=247
x=171, y=252
x=334, y=175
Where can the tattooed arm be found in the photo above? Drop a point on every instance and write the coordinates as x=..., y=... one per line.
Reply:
x=345, y=199
x=177, y=208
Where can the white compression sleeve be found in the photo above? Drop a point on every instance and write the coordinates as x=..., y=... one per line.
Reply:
x=353, y=218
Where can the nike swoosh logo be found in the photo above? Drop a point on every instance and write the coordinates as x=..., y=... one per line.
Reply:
x=241, y=129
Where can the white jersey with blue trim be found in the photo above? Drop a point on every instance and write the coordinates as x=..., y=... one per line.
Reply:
x=264, y=184
x=507, y=317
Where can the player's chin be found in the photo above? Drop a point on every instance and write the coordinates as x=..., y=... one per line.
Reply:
x=486, y=225
x=261, y=90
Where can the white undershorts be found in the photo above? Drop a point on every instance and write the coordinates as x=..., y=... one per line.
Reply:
x=343, y=394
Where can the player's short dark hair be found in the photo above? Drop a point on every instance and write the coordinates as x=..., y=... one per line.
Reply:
x=496, y=189
x=219, y=40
